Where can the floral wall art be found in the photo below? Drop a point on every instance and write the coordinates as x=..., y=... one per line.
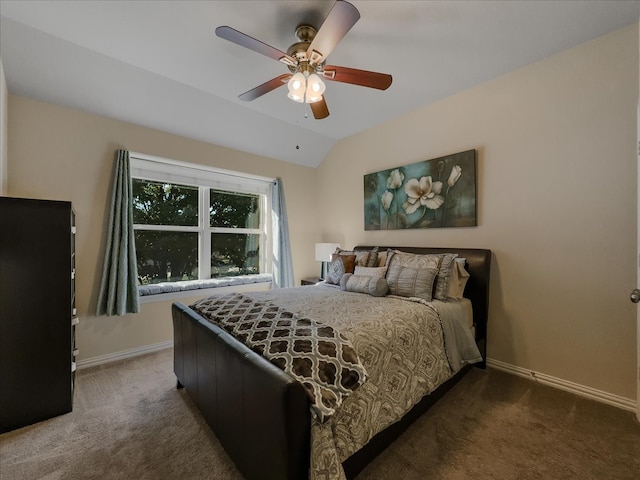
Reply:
x=428, y=194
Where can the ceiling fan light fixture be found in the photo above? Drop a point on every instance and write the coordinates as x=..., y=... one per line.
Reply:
x=315, y=88
x=295, y=97
x=297, y=86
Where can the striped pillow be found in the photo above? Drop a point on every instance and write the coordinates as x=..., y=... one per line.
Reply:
x=443, y=262
x=411, y=282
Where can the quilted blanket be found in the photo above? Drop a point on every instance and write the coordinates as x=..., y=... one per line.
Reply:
x=315, y=354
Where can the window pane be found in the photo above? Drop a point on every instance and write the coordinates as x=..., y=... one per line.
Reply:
x=166, y=256
x=157, y=203
x=234, y=254
x=234, y=210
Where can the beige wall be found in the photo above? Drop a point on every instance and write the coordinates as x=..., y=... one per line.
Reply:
x=556, y=204
x=556, y=198
x=62, y=154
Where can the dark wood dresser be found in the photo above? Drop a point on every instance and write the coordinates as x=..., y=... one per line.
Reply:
x=37, y=310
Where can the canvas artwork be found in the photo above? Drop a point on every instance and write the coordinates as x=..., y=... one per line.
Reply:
x=429, y=194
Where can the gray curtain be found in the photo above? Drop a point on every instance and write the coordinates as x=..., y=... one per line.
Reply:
x=119, y=285
x=282, y=264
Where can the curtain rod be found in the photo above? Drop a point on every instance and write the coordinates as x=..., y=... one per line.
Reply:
x=197, y=166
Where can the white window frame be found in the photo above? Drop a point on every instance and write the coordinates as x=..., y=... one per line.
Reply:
x=152, y=168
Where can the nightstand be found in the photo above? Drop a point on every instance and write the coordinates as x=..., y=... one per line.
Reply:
x=310, y=281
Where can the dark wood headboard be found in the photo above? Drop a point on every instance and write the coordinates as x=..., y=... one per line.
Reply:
x=477, y=289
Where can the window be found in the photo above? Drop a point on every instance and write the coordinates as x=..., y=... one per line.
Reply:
x=234, y=221
x=195, y=223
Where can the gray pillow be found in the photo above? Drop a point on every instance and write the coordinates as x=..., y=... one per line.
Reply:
x=376, y=287
x=443, y=279
x=411, y=282
x=335, y=271
x=413, y=260
x=443, y=262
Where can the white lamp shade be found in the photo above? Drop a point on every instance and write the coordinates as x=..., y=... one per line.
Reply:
x=297, y=86
x=325, y=250
x=315, y=88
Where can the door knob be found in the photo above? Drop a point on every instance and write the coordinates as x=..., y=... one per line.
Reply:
x=635, y=296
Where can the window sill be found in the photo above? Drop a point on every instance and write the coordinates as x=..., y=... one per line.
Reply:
x=170, y=290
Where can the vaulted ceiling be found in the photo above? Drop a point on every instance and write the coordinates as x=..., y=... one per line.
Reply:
x=159, y=63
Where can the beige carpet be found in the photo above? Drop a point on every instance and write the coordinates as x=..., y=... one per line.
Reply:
x=130, y=422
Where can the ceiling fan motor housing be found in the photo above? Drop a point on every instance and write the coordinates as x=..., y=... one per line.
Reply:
x=306, y=34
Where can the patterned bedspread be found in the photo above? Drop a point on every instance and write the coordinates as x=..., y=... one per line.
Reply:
x=314, y=353
x=400, y=344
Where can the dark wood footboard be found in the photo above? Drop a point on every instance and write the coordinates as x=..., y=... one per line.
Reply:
x=261, y=415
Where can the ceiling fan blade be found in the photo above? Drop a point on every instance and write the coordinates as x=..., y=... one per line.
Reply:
x=364, y=78
x=266, y=87
x=320, y=109
x=341, y=18
x=251, y=43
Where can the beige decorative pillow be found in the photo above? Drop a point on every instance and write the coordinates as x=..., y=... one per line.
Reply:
x=411, y=282
x=364, y=258
x=459, y=278
x=374, y=286
x=376, y=272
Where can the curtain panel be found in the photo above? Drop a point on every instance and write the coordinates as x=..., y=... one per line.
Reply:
x=118, y=292
x=282, y=264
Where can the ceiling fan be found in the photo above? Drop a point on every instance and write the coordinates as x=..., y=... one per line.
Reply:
x=306, y=60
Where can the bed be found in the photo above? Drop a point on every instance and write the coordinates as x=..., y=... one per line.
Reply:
x=268, y=422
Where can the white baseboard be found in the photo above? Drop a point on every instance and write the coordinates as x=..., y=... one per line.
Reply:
x=583, y=391
x=123, y=354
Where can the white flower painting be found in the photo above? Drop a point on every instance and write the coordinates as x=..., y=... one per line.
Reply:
x=429, y=194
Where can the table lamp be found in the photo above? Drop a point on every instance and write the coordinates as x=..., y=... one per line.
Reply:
x=323, y=254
